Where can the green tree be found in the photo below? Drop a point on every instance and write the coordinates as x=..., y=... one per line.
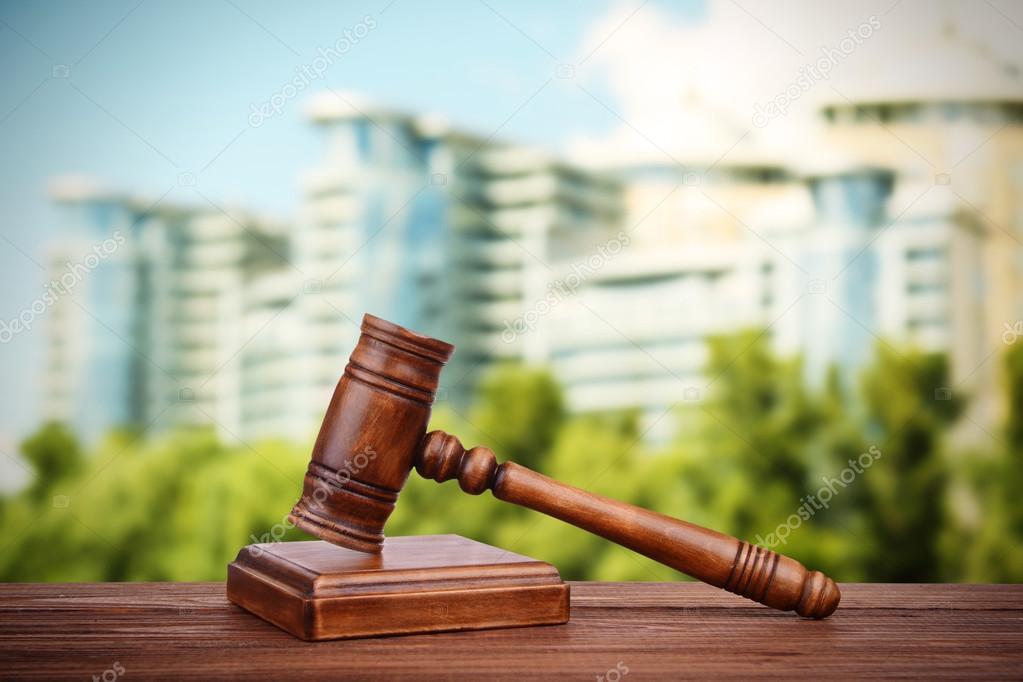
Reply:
x=54, y=453
x=177, y=508
x=519, y=410
x=748, y=459
x=1013, y=374
x=842, y=546
x=986, y=541
x=909, y=407
x=756, y=450
x=180, y=506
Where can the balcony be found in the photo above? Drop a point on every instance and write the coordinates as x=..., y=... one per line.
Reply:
x=625, y=361
x=210, y=255
x=497, y=253
x=505, y=283
x=653, y=393
x=333, y=209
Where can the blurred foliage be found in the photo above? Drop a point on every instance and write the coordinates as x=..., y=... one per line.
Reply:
x=747, y=458
x=54, y=454
x=984, y=542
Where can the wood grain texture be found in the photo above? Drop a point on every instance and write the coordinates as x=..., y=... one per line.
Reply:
x=656, y=630
x=369, y=436
x=425, y=583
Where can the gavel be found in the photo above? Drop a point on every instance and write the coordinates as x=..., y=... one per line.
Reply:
x=374, y=433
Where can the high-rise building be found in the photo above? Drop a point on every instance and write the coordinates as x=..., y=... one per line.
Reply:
x=148, y=332
x=900, y=223
x=90, y=378
x=829, y=263
x=223, y=318
x=446, y=232
x=950, y=119
x=634, y=334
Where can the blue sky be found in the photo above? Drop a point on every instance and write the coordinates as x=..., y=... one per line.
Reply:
x=137, y=93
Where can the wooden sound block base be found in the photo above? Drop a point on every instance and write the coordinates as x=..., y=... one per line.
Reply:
x=427, y=583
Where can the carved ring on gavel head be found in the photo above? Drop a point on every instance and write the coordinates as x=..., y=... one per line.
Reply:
x=374, y=433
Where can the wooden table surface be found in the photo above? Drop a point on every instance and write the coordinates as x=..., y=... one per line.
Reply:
x=621, y=631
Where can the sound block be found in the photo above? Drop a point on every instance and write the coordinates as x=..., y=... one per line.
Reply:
x=426, y=583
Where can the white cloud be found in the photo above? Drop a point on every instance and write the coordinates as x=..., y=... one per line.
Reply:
x=688, y=89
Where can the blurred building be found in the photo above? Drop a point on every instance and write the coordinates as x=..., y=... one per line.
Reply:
x=635, y=334
x=900, y=222
x=440, y=230
x=224, y=318
x=950, y=120
x=147, y=335
x=880, y=270
x=821, y=265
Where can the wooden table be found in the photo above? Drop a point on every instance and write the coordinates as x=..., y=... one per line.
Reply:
x=621, y=631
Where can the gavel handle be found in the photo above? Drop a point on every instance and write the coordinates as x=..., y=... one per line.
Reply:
x=759, y=574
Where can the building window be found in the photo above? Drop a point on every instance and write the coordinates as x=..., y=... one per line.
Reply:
x=924, y=253
x=926, y=287
x=362, y=140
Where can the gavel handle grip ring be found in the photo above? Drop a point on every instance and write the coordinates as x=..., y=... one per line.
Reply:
x=750, y=571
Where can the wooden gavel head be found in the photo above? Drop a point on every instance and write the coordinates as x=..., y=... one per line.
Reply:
x=370, y=435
